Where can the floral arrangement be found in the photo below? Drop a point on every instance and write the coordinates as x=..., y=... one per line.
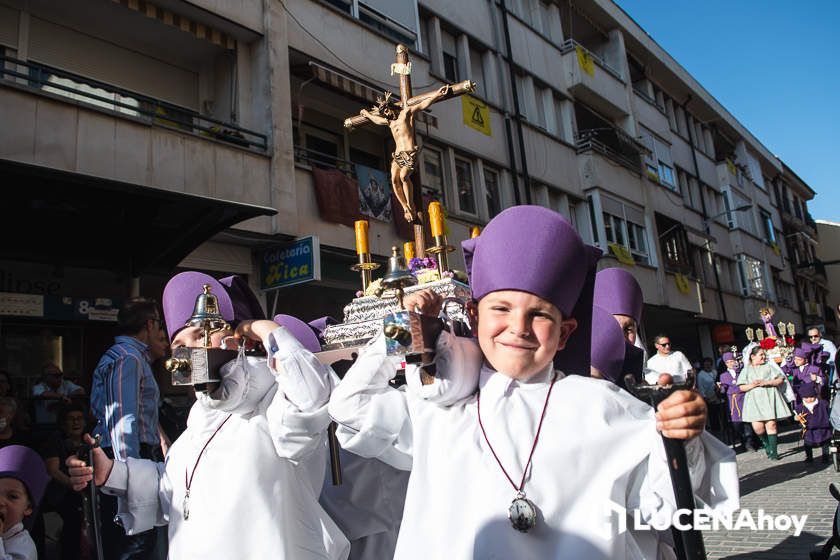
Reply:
x=415, y=265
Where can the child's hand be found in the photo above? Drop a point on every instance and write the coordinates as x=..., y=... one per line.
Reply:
x=255, y=330
x=682, y=415
x=428, y=302
x=81, y=474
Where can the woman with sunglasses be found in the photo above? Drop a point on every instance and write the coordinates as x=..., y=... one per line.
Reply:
x=763, y=402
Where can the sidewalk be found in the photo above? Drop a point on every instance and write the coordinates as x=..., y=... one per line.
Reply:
x=788, y=486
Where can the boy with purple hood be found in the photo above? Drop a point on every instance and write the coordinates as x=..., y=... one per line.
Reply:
x=235, y=484
x=804, y=373
x=813, y=413
x=23, y=479
x=514, y=451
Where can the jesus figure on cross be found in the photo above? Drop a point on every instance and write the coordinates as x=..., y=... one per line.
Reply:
x=403, y=159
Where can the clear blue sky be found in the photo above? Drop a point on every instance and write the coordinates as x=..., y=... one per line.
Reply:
x=775, y=65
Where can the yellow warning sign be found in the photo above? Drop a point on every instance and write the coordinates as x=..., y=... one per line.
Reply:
x=476, y=114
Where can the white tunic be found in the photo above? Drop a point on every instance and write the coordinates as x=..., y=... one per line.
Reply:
x=251, y=495
x=16, y=544
x=598, y=450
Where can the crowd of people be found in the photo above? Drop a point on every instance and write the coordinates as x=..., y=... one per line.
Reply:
x=516, y=446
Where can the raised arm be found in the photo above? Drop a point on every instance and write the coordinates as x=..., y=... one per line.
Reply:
x=374, y=118
x=426, y=103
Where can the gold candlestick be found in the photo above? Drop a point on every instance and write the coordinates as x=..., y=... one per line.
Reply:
x=437, y=223
x=366, y=267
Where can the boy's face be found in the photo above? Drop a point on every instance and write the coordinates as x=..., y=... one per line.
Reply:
x=731, y=364
x=14, y=502
x=809, y=400
x=628, y=327
x=193, y=337
x=519, y=333
x=798, y=362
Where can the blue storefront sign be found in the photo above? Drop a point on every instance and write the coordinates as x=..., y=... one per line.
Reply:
x=291, y=263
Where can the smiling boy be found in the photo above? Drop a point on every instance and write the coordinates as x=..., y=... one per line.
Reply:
x=23, y=479
x=531, y=464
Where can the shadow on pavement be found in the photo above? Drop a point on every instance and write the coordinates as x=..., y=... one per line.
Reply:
x=791, y=548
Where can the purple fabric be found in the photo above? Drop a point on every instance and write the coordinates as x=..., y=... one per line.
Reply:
x=801, y=353
x=303, y=332
x=320, y=325
x=727, y=356
x=802, y=378
x=534, y=249
x=24, y=464
x=618, y=292
x=246, y=305
x=808, y=390
x=179, y=299
x=608, y=345
x=734, y=395
x=817, y=423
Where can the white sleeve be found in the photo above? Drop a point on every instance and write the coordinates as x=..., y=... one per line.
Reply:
x=374, y=417
x=714, y=479
x=458, y=365
x=686, y=364
x=297, y=416
x=143, y=494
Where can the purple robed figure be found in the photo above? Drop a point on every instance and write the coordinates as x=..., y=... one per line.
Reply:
x=815, y=411
x=804, y=373
x=734, y=395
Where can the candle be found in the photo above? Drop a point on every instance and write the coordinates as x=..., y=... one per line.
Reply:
x=362, y=237
x=436, y=219
x=475, y=231
x=408, y=250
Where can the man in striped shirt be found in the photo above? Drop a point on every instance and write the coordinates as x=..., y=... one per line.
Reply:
x=125, y=399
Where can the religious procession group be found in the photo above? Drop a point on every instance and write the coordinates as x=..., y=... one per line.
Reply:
x=518, y=441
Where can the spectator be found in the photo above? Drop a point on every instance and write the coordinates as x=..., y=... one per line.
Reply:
x=720, y=365
x=763, y=402
x=9, y=434
x=707, y=385
x=815, y=337
x=125, y=399
x=52, y=393
x=667, y=361
x=22, y=420
x=60, y=495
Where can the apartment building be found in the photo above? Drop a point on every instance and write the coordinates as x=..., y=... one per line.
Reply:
x=223, y=120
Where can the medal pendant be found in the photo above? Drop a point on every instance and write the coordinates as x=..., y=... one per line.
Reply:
x=186, y=506
x=522, y=513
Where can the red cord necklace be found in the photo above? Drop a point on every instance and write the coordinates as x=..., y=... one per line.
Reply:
x=522, y=511
x=188, y=477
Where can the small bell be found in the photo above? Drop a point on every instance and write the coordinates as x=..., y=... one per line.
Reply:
x=398, y=277
x=206, y=315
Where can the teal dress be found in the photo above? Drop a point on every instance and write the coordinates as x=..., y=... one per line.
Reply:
x=763, y=403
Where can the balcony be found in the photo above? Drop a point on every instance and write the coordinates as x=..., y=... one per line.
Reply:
x=74, y=88
x=593, y=80
x=613, y=144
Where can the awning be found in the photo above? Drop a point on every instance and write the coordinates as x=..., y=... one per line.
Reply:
x=357, y=89
x=78, y=220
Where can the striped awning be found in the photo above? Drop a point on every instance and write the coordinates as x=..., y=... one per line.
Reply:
x=199, y=30
x=359, y=90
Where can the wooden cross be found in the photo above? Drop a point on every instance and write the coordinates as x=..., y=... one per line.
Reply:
x=399, y=117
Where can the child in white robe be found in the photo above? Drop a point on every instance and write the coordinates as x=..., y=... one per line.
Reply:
x=234, y=483
x=576, y=450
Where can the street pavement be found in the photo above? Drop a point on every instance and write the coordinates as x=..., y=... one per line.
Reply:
x=788, y=486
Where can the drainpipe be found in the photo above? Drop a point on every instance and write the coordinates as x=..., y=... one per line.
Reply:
x=706, y=227
x=517, y=113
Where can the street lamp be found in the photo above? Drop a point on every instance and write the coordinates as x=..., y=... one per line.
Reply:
x=741, y=208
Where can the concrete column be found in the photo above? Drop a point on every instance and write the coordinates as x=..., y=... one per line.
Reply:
x=555, y=29
x=462, y=45
x=550, y=111
x=567, y=125
x=491, y=77
x=435, y=45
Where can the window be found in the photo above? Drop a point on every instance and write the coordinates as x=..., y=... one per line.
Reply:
x=676, y=250
x=743, y=218
x=522, y=91
x=752, y=277
x=539, y=113
x=432, y=176
x=682, y=127
x=658, y=163
x=464, y=182
x=492, y=192
x=624, y=225
x=450, y=57
x=769, y=230
x=477, y=72
x=672, y=118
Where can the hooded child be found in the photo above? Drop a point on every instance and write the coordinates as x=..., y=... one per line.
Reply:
x=533, y=463
x=813, y=411
x=232, y=485
x=23, y=479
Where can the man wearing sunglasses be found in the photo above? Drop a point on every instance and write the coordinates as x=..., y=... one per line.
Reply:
x=667, y=360
x=815, y=337
x=125, y=399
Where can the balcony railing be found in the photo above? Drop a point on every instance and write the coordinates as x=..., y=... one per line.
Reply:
x=612, y=143
x=570, y=44
x=111, y=98
x=314, y=158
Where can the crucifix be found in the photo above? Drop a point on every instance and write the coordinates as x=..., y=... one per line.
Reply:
x=399, y=117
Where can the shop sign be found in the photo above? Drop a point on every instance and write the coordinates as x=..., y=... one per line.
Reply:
x=291, y=263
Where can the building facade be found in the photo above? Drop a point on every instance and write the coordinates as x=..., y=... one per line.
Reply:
x=224, y=119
